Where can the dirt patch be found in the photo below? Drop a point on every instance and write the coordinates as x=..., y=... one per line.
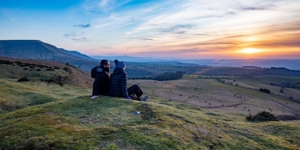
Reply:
x=146, y=111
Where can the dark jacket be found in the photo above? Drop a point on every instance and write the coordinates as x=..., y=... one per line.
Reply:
x=118, y=82
x=101, y=83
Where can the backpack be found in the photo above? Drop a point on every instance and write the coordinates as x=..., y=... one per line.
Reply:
x=94, y=72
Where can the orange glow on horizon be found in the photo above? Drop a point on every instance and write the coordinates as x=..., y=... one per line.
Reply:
x=250, y=50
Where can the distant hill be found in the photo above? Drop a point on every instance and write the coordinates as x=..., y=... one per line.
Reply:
x=77, y=54
x=38, y=50
x=35, y=49
x=132, y=59
x=292, y=64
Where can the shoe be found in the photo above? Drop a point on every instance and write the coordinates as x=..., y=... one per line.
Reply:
x=145, y=98
x=93, y=97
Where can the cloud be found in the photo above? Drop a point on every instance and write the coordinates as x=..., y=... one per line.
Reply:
x=143, y=38
x=259, y=7
x=193, y=25
x=83, y=25
x=72, y=34
x=81, y=39
x=191, y=52
x=177, y=29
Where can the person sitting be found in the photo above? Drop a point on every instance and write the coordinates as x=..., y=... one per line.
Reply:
x=118, y=84
x=102, y=79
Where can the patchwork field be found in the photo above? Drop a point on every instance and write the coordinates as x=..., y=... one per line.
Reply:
x=209, y=93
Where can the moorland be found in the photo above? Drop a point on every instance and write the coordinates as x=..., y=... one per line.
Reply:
x=53, y=110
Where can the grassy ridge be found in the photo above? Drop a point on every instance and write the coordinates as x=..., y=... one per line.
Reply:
x=70, y=120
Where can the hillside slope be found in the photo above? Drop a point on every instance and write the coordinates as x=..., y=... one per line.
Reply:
x=35, y=49
x=41, y=70
x=70, y=120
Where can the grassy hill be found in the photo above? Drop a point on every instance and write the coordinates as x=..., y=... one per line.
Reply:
x=191, y=113
x=41, y=70
x=37, y=115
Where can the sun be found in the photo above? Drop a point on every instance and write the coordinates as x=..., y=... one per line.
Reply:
x=250, y=50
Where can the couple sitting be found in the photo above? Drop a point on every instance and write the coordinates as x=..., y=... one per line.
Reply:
x=115, y=84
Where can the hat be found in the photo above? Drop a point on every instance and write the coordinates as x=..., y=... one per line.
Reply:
x=119, y=64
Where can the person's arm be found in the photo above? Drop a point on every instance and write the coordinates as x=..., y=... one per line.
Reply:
x=124, y=86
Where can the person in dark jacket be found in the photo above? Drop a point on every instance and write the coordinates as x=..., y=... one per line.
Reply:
x=102, y=79
x=118, y=84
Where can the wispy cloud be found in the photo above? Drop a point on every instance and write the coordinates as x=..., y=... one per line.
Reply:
x=143, y=38
x=82, y=25
x=81, y=39
x=77, y=37
x=177, y=29
x=73, y=34
x=192, y=27
x=267, y=6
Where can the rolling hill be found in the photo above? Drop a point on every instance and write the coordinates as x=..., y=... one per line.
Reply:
x=43, y=70
x=38, y=50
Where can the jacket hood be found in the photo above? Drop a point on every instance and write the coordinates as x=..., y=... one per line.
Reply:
x=118, y=70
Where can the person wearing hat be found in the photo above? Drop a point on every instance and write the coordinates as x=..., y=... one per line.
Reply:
x=102, y=79
x=118, y=84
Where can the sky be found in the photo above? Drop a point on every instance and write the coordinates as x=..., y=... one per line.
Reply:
x=196, y=29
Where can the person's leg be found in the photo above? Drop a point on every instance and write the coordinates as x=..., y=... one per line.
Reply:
x=135, y=90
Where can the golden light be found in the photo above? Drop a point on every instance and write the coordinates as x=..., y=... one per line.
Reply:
x=250, y=50
x=250, y=39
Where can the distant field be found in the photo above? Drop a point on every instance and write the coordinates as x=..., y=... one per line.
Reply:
x=211, y=94
x=264, y=82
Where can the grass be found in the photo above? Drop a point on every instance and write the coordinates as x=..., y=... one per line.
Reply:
x=68, y=119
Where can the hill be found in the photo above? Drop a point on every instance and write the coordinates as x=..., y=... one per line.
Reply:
x=53, y=117
x=77, y=54
x=38, y=50
x=46, y=71
x=34, y=49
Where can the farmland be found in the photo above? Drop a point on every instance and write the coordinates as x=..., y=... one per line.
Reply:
x=239, y=98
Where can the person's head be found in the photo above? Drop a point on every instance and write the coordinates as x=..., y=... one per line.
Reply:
x=119, y=64
x=104, y=64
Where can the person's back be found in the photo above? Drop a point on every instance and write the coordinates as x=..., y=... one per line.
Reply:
x=118, y=81
x=118, y=84
x=102, y=79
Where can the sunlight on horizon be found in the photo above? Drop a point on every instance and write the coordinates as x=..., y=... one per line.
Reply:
x=250, y=50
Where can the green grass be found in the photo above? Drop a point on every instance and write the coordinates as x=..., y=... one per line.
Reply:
x=68, y=119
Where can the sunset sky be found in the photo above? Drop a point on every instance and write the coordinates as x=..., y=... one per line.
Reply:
x=211, y=29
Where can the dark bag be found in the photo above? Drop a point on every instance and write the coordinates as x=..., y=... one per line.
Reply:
x=94, y=71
